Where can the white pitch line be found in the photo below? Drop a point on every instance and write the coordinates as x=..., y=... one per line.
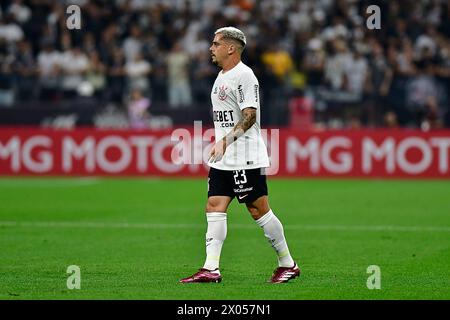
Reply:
x=114, y=225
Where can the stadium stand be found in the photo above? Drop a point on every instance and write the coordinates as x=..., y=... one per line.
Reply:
x=313, y=50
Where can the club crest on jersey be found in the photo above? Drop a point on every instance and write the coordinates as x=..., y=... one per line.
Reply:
x=222, y=92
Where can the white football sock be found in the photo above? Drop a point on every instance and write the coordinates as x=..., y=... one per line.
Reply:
x=273, y=230
x=215, y=236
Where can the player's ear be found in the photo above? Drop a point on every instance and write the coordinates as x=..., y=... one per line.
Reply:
x=231, y=49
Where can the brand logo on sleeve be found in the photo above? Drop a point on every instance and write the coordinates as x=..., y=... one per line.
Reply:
x=241, y=94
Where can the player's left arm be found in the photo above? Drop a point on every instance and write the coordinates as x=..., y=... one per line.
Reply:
x=247, y=121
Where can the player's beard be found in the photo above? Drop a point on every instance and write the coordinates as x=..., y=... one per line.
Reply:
x=214, y=60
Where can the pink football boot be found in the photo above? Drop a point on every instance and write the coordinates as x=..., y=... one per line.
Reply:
x=204, y=275
x=283, y=274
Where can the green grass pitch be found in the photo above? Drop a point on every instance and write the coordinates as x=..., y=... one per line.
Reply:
x=135, y=238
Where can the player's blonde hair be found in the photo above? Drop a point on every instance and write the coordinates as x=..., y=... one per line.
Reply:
x=233, y=34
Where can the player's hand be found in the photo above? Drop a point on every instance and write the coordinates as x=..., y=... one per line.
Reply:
x=217, y=151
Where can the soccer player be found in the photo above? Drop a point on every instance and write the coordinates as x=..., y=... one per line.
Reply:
x=238, y=159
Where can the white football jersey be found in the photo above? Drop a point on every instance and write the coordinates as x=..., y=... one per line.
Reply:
x=232, y=92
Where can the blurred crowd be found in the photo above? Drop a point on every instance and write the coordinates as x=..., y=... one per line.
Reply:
x=146, y=53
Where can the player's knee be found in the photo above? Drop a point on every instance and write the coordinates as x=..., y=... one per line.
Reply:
x=254, y=212
x=213, y=205
x=258, y=208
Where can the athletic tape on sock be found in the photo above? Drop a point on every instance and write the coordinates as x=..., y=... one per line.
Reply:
x=216, y=216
